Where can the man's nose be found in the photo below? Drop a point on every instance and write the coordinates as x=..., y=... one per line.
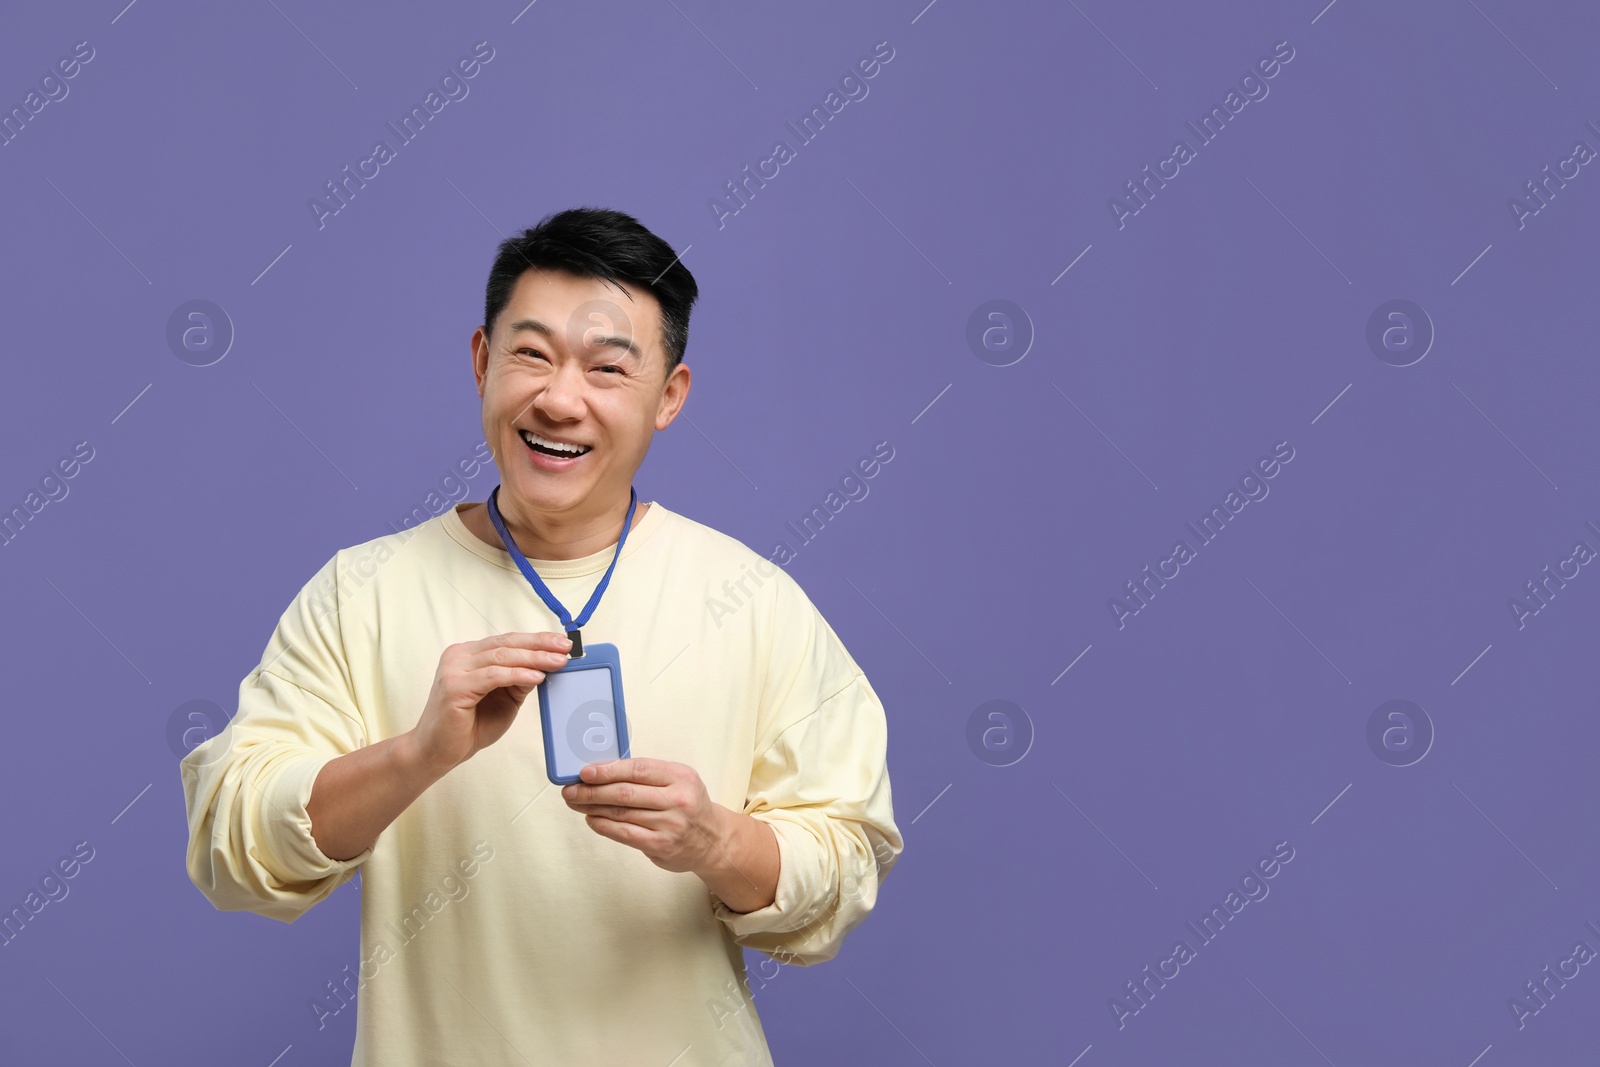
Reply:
x=562, y=396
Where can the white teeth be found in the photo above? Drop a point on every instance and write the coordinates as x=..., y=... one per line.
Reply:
x=559, y=446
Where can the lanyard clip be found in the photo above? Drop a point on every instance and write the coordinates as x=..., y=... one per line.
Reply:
x=576, y=637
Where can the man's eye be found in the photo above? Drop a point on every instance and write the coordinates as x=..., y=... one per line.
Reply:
x=610, y=367
x=530, y=352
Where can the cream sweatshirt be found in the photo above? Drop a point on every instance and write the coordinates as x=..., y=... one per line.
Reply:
x=496, y=927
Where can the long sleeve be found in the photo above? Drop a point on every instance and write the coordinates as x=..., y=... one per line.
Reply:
x=250, y=846
x=822, y=784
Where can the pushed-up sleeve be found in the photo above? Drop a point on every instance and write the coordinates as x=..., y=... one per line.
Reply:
x=822, y=784
x=246, y=789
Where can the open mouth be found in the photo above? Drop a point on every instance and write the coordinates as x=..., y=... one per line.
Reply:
x=549, y=446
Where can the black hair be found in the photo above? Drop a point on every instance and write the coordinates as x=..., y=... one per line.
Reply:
x=593, y=242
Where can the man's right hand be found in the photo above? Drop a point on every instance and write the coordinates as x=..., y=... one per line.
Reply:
x=477, y=691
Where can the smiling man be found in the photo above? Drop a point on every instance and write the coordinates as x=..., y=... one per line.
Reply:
x=390, y=727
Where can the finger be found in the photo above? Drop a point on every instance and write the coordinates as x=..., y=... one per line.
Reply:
x=638, y=769
x=646, y=817
x=487, y=679
x=619, y=794
x=512, y=656
x=547, y=640
x=626, y=833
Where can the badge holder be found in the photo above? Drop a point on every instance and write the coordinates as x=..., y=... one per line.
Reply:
x=581, y=713
x=580, y=704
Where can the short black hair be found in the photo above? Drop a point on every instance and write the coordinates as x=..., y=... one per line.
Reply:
x=593, y=242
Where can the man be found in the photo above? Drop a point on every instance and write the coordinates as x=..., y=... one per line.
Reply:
x=389, y=725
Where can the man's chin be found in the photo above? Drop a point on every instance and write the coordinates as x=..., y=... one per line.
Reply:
x=543, y=491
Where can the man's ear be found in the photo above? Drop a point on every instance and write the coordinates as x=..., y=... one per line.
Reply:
x=480, y=357
x=673, y=395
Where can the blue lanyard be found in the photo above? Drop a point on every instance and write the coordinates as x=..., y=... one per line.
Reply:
x=568, y=623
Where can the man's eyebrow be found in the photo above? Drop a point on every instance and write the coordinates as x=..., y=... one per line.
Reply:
x=604, y=340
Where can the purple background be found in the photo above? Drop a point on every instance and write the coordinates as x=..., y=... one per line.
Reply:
x=1226, y=316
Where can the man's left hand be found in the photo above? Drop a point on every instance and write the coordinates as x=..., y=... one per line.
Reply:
x=657, y=806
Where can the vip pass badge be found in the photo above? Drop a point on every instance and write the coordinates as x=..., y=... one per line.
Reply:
x=573, y=627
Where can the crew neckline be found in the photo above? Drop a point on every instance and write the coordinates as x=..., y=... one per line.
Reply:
x=654, y=516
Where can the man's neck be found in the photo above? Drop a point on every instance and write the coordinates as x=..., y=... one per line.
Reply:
x=548, y=538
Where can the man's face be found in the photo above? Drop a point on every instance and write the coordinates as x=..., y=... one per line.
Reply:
x=573, y=361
